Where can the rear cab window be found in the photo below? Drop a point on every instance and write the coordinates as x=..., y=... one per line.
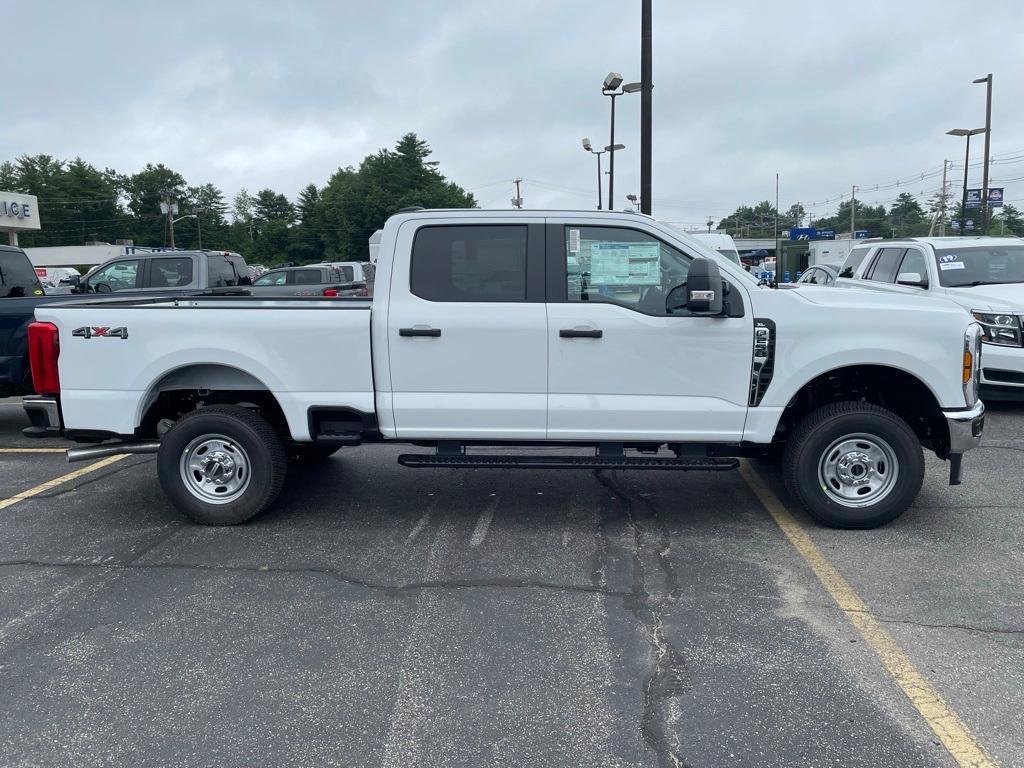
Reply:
x=17, y=277
x=307, y=277
x=170, y=272
x=469, y=263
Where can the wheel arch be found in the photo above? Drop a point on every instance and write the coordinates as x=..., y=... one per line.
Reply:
x=185, y=388
x=890, y=387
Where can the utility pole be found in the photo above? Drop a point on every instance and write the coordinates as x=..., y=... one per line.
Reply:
x=517, y=201
x=853, y=212
x=169, y=208
x=942, y=201
x=710, y=222
x=646, y=86
x=988, y=134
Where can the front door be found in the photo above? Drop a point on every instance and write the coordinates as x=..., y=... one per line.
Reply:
x=467, y=331
x=621, y=367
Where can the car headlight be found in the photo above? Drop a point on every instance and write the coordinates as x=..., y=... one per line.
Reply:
x=972, y=363
x=1001, y=328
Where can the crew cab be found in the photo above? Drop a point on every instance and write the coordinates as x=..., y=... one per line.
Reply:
x=558, y=330
x=984, y=275
x=165, y=272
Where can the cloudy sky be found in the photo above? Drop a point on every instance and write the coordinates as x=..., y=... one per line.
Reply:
x=253, y=94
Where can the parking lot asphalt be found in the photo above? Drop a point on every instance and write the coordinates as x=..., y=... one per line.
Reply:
x=381, y=616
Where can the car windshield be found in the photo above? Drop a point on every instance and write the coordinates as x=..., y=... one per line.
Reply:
x=985, y=265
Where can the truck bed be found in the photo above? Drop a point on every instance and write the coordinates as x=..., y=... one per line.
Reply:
x=308, y=352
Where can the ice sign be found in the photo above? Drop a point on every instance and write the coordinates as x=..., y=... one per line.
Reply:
x=625, y=264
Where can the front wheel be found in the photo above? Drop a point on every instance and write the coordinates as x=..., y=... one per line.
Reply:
x=853, y=465
x=221, y=465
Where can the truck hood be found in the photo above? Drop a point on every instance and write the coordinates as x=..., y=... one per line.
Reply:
x=875, y=300
x=1008, y=296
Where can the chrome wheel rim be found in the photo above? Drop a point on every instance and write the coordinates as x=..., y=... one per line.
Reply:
x=215, y=469
x=858, y=470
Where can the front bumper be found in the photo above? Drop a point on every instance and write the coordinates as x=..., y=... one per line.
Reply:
x=44, y=413
x=1002, y=369
x=965, y=428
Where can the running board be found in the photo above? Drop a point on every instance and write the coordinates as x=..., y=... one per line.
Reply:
x=686, y=464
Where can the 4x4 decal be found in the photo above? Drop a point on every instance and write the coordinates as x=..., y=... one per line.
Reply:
x=89, y=332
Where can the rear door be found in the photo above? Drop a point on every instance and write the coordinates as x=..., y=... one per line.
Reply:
x=621, y=366
x=467, y=330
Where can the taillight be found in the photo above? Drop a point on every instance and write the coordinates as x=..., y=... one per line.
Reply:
x=332, y=292
x=43, y=350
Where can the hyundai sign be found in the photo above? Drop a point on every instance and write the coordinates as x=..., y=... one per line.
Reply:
x=18, y=212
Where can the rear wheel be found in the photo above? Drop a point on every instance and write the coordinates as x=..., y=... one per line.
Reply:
x=853, y=465
x=221, y=465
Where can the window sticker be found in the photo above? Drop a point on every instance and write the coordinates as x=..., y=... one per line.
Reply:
x=951, y=265
x=948, y=258
x=625, y=263
x=574, y=241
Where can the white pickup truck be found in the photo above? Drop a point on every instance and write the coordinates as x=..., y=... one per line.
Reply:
x=534, y=330
x=984, y=275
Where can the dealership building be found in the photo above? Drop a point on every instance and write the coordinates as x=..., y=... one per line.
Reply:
x=18, y=213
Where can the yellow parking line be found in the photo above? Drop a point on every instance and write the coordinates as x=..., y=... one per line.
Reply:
x=947, y=725
x=56, y=482
x=32, y=450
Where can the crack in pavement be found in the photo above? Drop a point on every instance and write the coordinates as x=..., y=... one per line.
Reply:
x=927, y=625
x=396, y=589
x=665, y=681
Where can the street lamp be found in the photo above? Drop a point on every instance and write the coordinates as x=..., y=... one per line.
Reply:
x=198, y=224
x=610, y=88
x=987, y=79
x=968, y=132
x=636, y=203
x=590, y=148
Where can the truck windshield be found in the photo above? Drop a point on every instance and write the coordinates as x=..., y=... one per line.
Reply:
x=17, y=277
x=986, y=265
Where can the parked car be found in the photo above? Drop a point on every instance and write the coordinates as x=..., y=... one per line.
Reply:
x=653, y=351
x=354, y=271
x=165, y=272
x=306, y=281
x=819, y=274
x=984, y=275
x=20, y=293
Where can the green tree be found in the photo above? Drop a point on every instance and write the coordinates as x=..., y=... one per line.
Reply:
x=1008, y=222
x=355, y=203
x=907, y=218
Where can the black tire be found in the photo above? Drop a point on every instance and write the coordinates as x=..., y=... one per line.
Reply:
x=263, y=455
x=819, y=430
x=307, y=453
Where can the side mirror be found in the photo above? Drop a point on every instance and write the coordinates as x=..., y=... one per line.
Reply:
x=912, y=279
x=704, y=290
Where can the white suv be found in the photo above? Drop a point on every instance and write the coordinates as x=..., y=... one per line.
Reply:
x=984, y=275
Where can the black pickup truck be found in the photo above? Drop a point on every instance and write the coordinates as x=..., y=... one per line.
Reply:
x=20, y=294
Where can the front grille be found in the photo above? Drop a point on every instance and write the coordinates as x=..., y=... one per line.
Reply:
x=1009, y=377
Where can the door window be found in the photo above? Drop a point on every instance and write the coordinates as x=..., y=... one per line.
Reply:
x=117, y=276
x=173, y=272
x=853, y=261
x=913, y=263
x=622, y=266
x=884, y=268
x=273, y=278
x=306, y=277
x=469, y=263
x=17, y=278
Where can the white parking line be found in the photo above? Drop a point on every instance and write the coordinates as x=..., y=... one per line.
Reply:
x=483, y=523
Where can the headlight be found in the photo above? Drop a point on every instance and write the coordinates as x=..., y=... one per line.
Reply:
x=1000, y=328
x=972, y=363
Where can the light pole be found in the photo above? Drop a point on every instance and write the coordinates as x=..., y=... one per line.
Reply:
x=610, y=88
x=636, y=203
x=590, y=148
x=968, y=132
x=710, y=222
x=987, y=79
x=198, y=224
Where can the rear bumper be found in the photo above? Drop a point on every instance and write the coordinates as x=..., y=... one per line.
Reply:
x=44, y=413
x=965, y=428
